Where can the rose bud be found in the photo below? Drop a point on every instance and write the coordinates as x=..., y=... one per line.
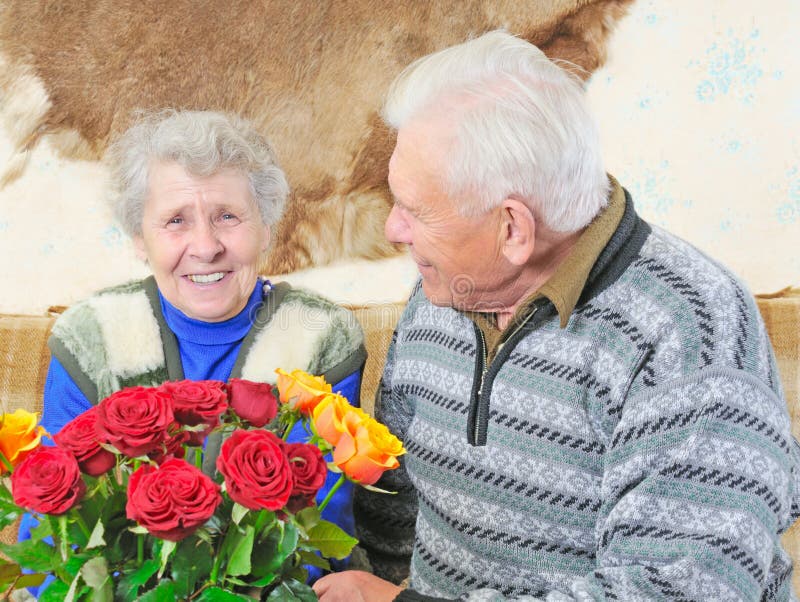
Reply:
x=254, y=402
x=171, y=501
x=79, y=436
x=256, y=469
x=309, y=470
x=48, y=481
x=366, y=449
x=135, y=420
x=197, y=402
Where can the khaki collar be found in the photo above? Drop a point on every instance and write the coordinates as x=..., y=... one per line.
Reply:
x=565, y=286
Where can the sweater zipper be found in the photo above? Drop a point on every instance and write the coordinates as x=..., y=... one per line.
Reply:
x=482, y=368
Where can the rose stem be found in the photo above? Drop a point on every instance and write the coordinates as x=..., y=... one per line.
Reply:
x=82, y=524
x=333, y=490
x=139, y=536
x=289, y=427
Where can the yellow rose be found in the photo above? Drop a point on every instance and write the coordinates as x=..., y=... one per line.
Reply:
x=301, y=390
x=329, y=416
x=19, y=436
x=366, y=449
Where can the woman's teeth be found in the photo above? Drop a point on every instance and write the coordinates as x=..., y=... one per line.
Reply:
x=206, y=278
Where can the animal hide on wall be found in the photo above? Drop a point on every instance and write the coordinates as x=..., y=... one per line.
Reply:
x=310, y=73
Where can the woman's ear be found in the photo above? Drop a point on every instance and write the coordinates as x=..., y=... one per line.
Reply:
x=519, y=231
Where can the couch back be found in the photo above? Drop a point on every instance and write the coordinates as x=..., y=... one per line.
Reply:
x=25, y=356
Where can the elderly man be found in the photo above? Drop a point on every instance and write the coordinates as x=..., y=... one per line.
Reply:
x=590, y=405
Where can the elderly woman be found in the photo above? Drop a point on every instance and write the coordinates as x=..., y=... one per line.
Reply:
x=198, y=193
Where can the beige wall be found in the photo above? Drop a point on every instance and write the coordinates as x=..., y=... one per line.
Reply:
x=699, y=106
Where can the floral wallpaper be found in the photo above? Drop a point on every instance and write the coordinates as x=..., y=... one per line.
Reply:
x=699, y=106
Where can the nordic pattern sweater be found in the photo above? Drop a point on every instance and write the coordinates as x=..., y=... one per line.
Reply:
x=643, y=452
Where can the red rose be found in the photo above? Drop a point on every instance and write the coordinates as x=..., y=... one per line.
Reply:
x=254, y=402
x=172, y=500
x=172, y=447
x=256, y=469
x=48, y=481
x=309, y=470
x=135, y=420
x=198, y=402
x=79, y=436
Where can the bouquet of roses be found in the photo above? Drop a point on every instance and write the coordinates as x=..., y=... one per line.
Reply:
x=126, y=511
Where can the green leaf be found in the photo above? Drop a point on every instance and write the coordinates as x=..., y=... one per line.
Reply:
x=278, y=545
x=217, y=594
x=55, y=592
x=11, y=572
x=309, y=517
x=264, y=581
x=96, y=539
x=30, y=580
x=33, y=555
x=309, y=557
x=238, y=513
x=163, y=592
x=128, y=588
x=95, y=575
x=331, y=540
x=167, y=548
x=239, y=561
x=292, y=591
x=192, y=564
x=9, y=511
x=41, y=530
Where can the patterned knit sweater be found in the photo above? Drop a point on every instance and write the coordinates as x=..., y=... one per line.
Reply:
x=641, y=453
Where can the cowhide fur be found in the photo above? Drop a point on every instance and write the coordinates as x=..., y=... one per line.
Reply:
x=310, y=73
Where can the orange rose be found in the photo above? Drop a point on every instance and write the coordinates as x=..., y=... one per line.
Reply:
x=301, y=390
x=19, y=436
x=366, y=449
x=329, y=416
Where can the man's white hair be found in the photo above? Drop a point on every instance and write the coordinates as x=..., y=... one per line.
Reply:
x=520, y=128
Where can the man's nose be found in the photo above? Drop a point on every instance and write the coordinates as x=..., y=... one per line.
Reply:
x=397, y=229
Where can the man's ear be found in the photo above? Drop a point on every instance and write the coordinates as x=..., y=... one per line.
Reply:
x=138, y=247
x=519, y=231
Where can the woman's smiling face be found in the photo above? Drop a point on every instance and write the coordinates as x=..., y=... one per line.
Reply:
x=202, y=237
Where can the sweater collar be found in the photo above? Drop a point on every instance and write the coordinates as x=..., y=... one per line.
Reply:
x=213, y=333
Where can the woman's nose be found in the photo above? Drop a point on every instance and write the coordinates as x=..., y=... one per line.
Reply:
x=206, y=244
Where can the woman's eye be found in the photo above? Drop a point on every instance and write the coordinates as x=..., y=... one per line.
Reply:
x=175, y=220
x=229, y=218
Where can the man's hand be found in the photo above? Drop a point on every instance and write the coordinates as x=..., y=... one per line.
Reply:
x=355, y=586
